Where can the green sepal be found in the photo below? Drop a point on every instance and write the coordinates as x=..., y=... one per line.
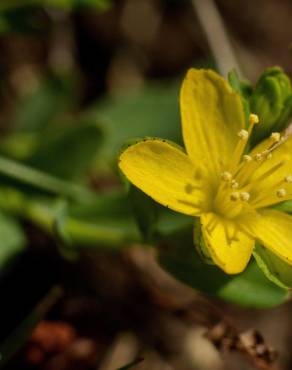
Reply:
x=285, y=206
x=200, y=244
x=244, y=89
x=275, y=269
x=271, y=100
x=285, y=116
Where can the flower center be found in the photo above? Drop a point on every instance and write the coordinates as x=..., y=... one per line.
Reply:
x=237, y=191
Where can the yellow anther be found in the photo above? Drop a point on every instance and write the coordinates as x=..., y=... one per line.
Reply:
x=275, y=136
x=258, y=157
x=243, y=134
x=269, y=156
x=247, y=158
x=244, y=196
x=226, y=176
x=281, y=193
x=288, y=179
x=234, y=196
x=234, y=184
x=253, y=119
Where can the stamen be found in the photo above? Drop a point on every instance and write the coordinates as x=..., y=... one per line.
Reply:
x=273, y=143
x=244, y=196
x=281, y=193
x=226, y=176
x=265, y=175
x=246, y=170
x=275, y=136
x=288, y=179
x=253, y=119
x=239, y=149
x=247, y=158
x=234, y=196
x=259, y=157
x=234, y=184
x=270, y=199
x=243, y=134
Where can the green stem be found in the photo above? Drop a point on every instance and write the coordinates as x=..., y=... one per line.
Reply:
x=43, y=181
x=42, y=212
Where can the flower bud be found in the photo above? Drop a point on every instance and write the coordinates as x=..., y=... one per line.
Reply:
x=271, y=100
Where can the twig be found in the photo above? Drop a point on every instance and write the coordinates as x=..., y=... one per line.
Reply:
x=217, y=36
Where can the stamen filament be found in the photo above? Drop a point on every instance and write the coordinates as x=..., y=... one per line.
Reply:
x=259, y=158
x=264, y=175
x=239, y=150
x=267, y=201
x=241, y=145
x=240, y=190
x=253, y=120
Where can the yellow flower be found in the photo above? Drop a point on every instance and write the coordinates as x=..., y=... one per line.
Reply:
x=216, y=179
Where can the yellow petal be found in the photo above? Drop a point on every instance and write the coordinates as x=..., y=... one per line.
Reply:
x=166, y=174
x=212, y=115
x=229, y=247
x=266, y=180
x=274, y=230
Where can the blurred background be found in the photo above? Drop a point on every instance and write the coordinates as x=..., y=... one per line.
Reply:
x=78, y=79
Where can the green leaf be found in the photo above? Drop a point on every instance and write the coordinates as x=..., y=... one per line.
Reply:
x=153, y=111
x=105, y=206
x=12, y=242
x=37, y=109
x=67, y=4
x=19, y=19
x=19, y=145
x=170, y=222
x=71, y=4
x=252, y=289
x=275, y=269
x=154, y=221
x=18, y=337
x=249, y=289
x=67, y=151
x=146, y=212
